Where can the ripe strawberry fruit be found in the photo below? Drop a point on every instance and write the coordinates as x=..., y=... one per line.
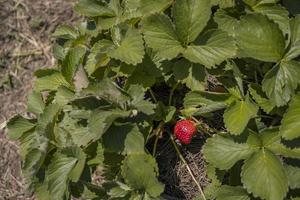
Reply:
x=184, y=130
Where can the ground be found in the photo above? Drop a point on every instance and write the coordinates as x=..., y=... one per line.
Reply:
x=26, y=45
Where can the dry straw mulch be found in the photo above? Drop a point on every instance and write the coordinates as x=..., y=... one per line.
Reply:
x=25, y=45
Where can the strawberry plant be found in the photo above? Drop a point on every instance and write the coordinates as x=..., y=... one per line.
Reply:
x=133, y=68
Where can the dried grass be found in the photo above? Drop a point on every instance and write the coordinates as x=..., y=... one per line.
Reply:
x=173, y=172
x=25, y=31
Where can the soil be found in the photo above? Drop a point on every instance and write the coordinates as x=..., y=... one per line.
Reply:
x=174, y=173
x=26, y=45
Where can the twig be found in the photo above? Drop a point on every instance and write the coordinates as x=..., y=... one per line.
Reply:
x=152, y=95
x=172, y=92
x=3, y=125
x=29, y=53
x=187, y=166
x=17, y=181
x=157, y=133
x=206, y=129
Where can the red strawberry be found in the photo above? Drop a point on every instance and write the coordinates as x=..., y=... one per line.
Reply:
x=184, y=130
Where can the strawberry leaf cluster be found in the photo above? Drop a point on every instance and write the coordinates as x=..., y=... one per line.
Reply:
x=132, y=68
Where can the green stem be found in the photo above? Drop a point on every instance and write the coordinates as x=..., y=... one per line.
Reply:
x=157, y=133
x=172, y=92
x=187, y=166
x=155, y=146
x=152, y=95
x=204, y=129
x=266, y=116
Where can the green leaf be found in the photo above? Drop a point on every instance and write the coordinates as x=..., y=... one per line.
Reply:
x=101, y=120
x=70, y=128
x=98, y=158
x=92, y=191
x=227, y=192
x=119, y=191
x=165, y=113
x=140, y=172
x=59, y=52
x=138, y=95
x=47, y=117
x=130, y=9
x=191, y=16
x=214, y=47
x=260, y=98
x=124, y=139
x=256, y=27
x=160, y=35
x=216, y=176
x=290, y=124
x=17, y=126
x=238, y=114
x=295, y=29
x=142, y=8
x=238, y=85
x=64, y=95
x=226, y=22
x=62, y=137
x=276, y=13
x=131, y=48
x=28, y=141
x=264, y=176
x=293, y=174
x=193, y=75
x=269, y=136
x=66, y=32
x=134, y=142
x=280, y=149
x=281, y=81
x=50, y=82
x=76, y=172
x=98, y=56
x=145, y=73
x=33, y=151
x=109, y=91
x=223, y=3
x=223, y=152
x=41, y=191
x=58, y=175
x=72, y=61
x=35, y=103
x=93, y=8
x=199, y=102
x=141, y=77
x=151, y=6
x=254, y=3
x=294, y=50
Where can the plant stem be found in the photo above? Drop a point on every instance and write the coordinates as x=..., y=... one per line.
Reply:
x=187, y=166
x=157, y=133
x=266, y=116
x=172, y=92
x=207, y=129
x=155, y=146
x=152, y=95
